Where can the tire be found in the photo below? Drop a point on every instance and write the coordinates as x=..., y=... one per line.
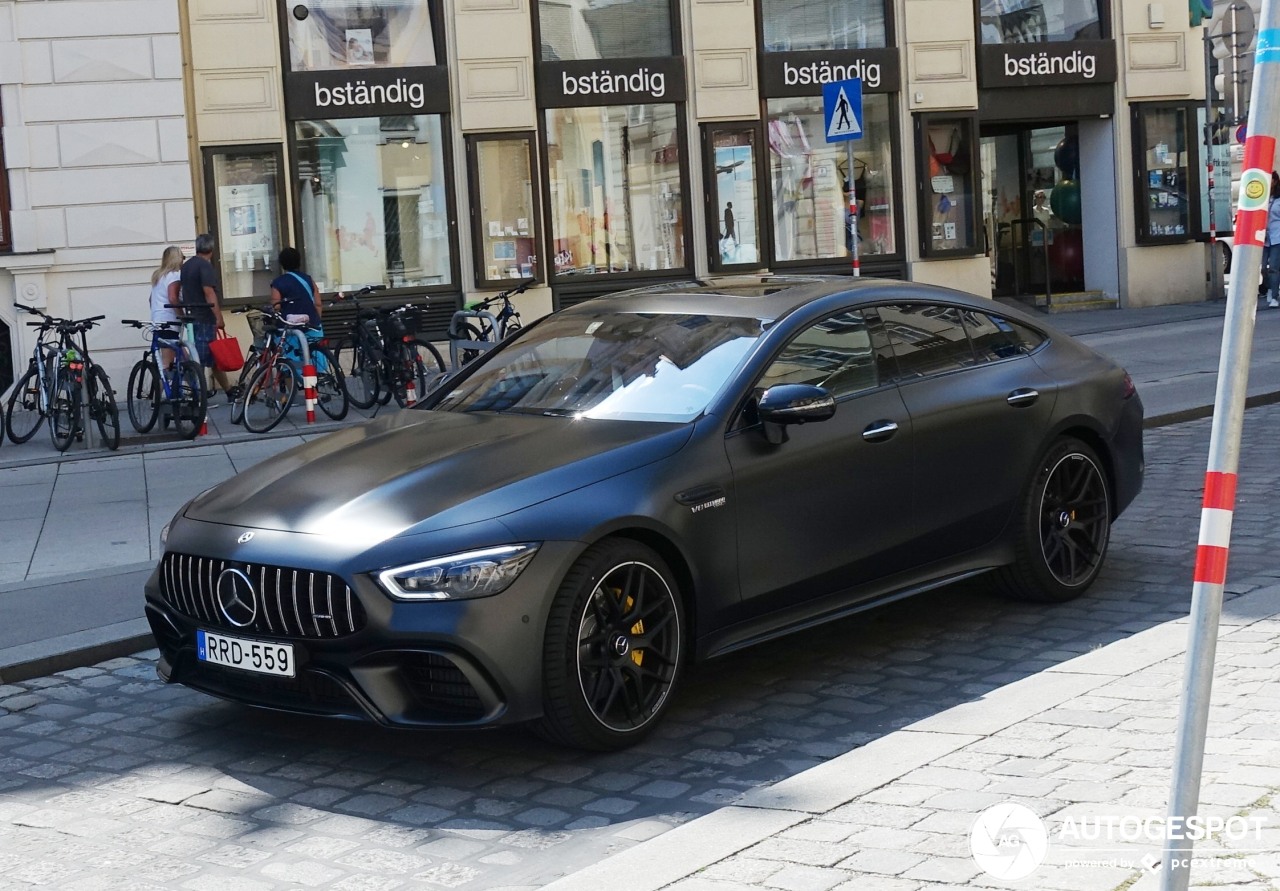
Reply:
x=64, y=410
x=142, y=399
x=188, y=403
x=269, y=394
x=359, y=374
x=614, y=648
x=103, y=409
x=331, y=388
x=23, y=416
x=242, y=383
x=1064, y=528
x=422, y=363
x=468, y=331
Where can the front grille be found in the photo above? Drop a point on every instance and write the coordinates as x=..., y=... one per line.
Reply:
x=288, y=602
x=440, y=688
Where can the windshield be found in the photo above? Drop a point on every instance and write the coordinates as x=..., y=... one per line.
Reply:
x=608, y=364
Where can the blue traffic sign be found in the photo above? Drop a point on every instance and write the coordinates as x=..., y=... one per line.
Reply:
x=842, y=110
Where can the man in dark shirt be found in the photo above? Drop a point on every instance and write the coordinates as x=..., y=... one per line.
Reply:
x=198, y=293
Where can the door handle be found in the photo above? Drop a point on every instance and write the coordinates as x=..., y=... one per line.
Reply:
x=879, y=431
x=1023, y=396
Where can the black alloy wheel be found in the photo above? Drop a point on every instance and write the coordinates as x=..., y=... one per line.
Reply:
x=614, y=648
x=1066, y=527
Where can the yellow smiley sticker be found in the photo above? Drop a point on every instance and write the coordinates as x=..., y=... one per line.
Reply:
x=1254, y=185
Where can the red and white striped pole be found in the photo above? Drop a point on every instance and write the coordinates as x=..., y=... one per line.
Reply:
x=1224, y=453
x=309, y=389
x=853, y=214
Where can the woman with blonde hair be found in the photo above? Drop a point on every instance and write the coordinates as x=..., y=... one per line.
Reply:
x=164, y=285
x=164, y=292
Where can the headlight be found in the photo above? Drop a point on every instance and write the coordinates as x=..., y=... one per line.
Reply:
x=459, y=576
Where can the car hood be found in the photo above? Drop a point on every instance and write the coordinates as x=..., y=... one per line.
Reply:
x=420, y=471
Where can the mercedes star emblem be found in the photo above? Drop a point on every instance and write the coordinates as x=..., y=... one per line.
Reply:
x=236, y=600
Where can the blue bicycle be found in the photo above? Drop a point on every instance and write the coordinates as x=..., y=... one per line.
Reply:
x=177, y=391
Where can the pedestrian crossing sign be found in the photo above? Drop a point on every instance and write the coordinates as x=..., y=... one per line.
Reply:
x=842, y=109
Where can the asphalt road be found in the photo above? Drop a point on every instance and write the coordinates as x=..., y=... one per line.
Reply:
x=109, y=776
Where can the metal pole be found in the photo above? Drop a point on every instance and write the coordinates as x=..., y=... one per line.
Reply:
x=1215, y=268
x=1224, y=453
x=853, y=212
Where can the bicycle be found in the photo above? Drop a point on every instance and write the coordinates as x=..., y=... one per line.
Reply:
x=179, y=389
x=29, y=401
x=269, y=380
x=507, y=321
x=67, y=374
x=383, y=355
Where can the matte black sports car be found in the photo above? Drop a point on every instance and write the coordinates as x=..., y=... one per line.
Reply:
x=644, y=479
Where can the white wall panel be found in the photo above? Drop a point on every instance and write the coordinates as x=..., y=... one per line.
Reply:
x=108, y=143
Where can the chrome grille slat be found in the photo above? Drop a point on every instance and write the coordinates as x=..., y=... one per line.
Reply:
x=189, y=584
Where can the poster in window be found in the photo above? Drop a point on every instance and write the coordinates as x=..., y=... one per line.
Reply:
x=246, y=224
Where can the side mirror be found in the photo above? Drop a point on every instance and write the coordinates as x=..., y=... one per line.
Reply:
x=795, y=404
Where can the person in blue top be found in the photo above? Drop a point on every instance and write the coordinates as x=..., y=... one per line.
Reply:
x=294, y=293
x=1271, y=255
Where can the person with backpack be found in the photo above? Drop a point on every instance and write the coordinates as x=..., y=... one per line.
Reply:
x=294, y=293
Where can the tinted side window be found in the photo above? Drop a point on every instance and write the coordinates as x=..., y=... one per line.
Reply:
x=927, y=339
x=839, y=353
x=995, y=338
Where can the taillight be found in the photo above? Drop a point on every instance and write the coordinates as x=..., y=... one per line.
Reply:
x=1129, y=388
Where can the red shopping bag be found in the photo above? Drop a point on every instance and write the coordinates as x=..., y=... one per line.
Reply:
x=226, y=352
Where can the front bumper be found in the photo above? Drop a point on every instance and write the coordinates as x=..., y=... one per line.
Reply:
x=430, y=664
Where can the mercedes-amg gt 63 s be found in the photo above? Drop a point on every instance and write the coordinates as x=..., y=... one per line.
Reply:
x=643, y=480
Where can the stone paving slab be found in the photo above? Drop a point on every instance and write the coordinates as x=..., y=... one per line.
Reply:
x=875, y=818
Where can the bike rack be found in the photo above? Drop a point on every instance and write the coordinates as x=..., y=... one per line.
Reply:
x=460, y=343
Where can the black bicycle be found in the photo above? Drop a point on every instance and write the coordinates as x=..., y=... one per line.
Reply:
x=273, y=372
x=61, y=381
x=480, y=328
x=383, y=358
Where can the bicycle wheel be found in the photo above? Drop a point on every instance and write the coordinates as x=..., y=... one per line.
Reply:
x=24, y=415
x=331, y=388
x=143, y=396
x=468, y=331
x=103, y=409
x=415, y=361
x=188, y=402
x=359, y=373
x=251, y=364
x=64, y=410
x=267, y=399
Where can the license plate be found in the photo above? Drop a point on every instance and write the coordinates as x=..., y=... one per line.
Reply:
x=247, y=655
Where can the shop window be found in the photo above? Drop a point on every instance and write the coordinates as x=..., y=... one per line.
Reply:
x=504, y=209
x=1219, y=150
x=616, y=189
x=947, y=168
x=373, y=201
x=736, y=227
x=1039, y=21
x=623, y=29
x=799, y=25
x=326, y=35
x=1167, y=184
x=245, y=196
x=809, y=178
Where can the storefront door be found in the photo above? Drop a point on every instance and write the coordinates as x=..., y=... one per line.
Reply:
x=1031, y=210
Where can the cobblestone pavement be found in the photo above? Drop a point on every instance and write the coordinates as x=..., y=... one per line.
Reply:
x=109, y=779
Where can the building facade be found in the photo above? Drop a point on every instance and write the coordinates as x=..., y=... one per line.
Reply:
x=1022, y=148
